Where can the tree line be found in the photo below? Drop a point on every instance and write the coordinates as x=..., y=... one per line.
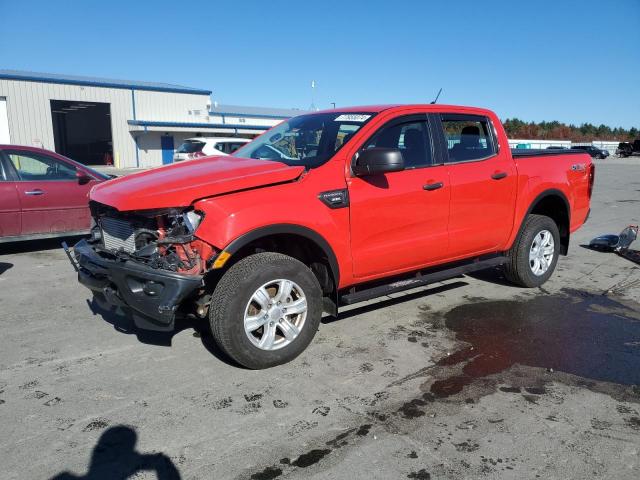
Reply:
x=586, y=132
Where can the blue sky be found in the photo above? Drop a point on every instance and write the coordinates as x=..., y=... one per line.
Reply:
x=573, y=61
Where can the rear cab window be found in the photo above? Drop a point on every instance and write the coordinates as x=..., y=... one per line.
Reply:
x=468, y=137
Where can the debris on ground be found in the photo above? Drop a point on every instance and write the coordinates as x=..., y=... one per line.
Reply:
x=618, y=243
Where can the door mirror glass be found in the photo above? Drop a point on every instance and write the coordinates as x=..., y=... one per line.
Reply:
x=377, y=160
x=83, y=178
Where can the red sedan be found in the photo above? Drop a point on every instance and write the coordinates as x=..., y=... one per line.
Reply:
x=43, y=194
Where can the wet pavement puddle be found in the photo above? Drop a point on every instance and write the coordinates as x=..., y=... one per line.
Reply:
x=587, y=335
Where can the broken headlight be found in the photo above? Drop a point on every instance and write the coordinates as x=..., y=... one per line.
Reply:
x=191, y=220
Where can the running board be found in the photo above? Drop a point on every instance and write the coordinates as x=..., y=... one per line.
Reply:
x=419, y=279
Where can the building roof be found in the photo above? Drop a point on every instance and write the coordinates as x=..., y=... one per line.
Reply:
x=144, y=124
x=257, y=112
x=98, y=82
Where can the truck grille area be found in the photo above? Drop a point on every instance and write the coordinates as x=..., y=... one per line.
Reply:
x=118, y=234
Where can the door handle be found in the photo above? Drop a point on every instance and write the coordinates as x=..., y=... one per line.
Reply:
x=37, y=191
x=432, y=186
x=499, y=175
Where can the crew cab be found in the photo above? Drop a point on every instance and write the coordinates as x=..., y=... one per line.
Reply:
x=328, y=209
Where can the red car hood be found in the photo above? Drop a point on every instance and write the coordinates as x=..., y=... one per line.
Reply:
x=181, y=184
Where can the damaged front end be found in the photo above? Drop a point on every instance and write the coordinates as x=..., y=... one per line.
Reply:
x=149, y=261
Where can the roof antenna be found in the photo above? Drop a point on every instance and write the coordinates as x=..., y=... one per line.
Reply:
x=437, y=96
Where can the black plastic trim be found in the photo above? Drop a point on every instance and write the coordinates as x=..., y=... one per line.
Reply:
x=550, y=193
x=125, y=283
x=283, y=228
x=437, y=139
x=335, y=198
x=537, y=152
x=419, y=279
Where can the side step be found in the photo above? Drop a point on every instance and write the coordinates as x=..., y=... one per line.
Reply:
x=419, y=279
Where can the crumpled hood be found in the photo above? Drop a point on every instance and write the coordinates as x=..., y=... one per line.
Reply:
x=178, y=185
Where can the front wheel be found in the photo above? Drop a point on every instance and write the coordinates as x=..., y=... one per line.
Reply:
x=534, y=255
x=266, y=310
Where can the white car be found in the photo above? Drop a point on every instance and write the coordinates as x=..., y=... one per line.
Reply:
x=204, y=146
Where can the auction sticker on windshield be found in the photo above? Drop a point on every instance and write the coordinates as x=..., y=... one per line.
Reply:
x=352, y=117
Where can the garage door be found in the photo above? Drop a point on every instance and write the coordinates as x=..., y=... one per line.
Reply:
x=4, y=122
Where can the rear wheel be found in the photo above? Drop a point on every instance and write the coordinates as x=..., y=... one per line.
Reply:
x=266, y=310
x=534, y=254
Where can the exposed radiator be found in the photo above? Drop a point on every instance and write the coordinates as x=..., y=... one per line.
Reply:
x=117, y=234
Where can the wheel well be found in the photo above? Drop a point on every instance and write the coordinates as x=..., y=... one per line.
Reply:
x=555, y=207
x=297, y=246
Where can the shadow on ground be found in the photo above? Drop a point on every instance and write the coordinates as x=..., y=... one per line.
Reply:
x=390, y=302
x=115, y=458
x=122, y=322
x=4, y=266
x=28, y=246
x=492, y=275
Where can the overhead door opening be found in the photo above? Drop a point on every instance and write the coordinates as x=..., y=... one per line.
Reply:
x=82, y=131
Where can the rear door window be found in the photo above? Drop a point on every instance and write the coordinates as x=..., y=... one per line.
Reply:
x=468, y=137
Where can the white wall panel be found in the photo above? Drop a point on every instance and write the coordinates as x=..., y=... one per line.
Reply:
x=5, y=136
x=30, y=122
x=171, y=107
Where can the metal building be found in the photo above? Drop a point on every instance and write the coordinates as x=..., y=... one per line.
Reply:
x=99, y=121
x=248, y=121
x=95, y=120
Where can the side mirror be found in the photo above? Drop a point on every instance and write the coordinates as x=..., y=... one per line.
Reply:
x=378, y=160
x=83, y=178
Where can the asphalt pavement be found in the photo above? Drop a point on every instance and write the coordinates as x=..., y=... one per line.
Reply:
x=468, y=378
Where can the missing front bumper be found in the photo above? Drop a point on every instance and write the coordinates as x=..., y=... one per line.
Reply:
x=154, y=294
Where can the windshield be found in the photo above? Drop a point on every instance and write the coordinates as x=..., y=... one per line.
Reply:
x=190, y=146
x=307, y=140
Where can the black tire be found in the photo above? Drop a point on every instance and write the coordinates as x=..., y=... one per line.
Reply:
x=518, y=269
x=233, y=293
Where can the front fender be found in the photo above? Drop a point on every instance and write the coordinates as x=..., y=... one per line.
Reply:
x=293, y=208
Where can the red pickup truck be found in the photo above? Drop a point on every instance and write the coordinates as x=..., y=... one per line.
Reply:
x=327, y=209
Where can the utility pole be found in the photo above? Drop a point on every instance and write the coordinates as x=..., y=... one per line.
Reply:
x=313, y=91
